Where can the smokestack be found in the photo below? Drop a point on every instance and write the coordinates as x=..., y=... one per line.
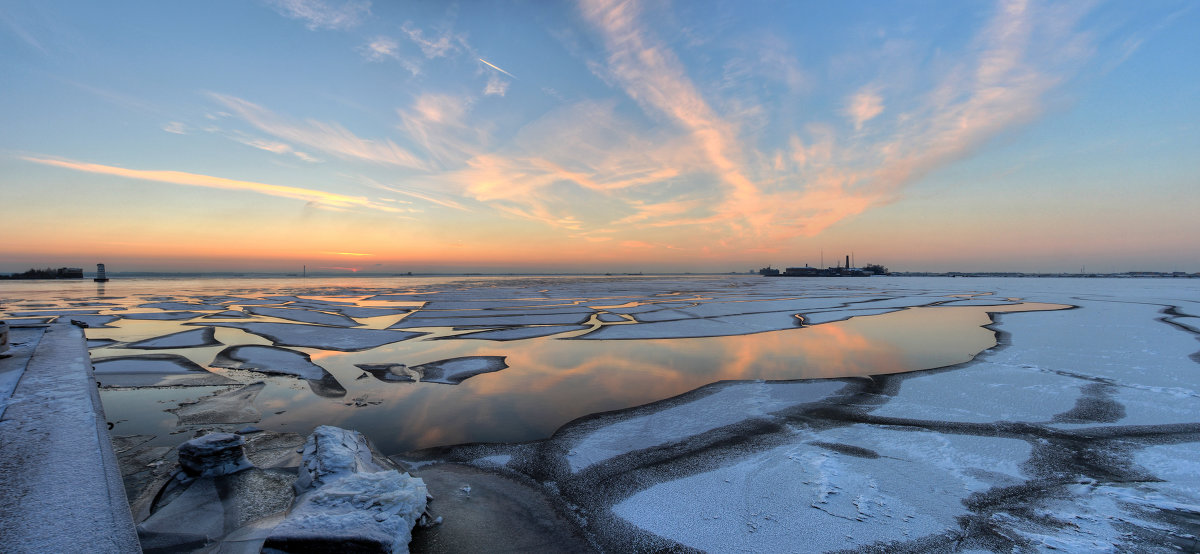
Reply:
x=847, y=261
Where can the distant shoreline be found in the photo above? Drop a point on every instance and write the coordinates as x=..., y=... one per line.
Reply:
x=362, y=275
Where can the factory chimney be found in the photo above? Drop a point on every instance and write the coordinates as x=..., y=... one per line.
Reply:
x=847, y=261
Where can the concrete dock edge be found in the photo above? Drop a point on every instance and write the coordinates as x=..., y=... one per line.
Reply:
x=60, y=484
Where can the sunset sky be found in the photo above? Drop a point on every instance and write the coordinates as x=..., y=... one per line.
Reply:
x=599, y=136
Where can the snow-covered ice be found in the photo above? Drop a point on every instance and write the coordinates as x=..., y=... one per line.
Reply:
x=726, y=406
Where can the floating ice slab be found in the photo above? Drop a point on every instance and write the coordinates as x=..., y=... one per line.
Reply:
x=391, y=373
x=456, y=370
x=272, y=359
x=304, y=316
x=518, y=333
x=317, y=336
x=163, y=316
x=688, y=328
x=228, y=314
x=356, y=311
x=38, y=313
x=817, y=318
x=269, y=359
x=728, y=405
x=482, y=319
x=154, y=370
x=98, y=321
x=234, y=406
x=182, y=306
x=193, y=338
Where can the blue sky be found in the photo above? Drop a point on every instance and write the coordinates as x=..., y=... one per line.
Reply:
x=600, y=136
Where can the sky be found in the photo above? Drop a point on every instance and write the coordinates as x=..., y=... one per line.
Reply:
x=600, y=135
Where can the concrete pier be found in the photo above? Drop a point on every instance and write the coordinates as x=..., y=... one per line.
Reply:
x=60, y=485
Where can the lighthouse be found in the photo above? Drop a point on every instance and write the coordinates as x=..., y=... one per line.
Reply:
x=100, y=276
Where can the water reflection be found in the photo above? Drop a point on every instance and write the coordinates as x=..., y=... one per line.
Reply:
x=549, y=381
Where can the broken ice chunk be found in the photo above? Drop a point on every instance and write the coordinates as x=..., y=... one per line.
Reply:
x=213, y=454
x=350, y=499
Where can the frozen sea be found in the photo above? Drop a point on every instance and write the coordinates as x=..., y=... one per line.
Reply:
x=719, y=413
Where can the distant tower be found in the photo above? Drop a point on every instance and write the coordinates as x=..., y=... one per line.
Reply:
x=100, y=276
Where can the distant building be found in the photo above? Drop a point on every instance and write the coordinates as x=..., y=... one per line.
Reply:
x=802, y=272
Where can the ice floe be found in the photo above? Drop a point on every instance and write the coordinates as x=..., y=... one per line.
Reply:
x=154, y=370
x=518, y=333
x=456, y=370
x=228, y=314
x=726, y=406
x=318, y=336
x=162, y=316
x=304, y=316
x=227, y=407
x=193, y=338
x=392, y=373
x=273, y=359
x=269, y=359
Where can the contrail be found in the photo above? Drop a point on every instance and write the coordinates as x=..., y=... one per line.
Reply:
x=493, y=66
